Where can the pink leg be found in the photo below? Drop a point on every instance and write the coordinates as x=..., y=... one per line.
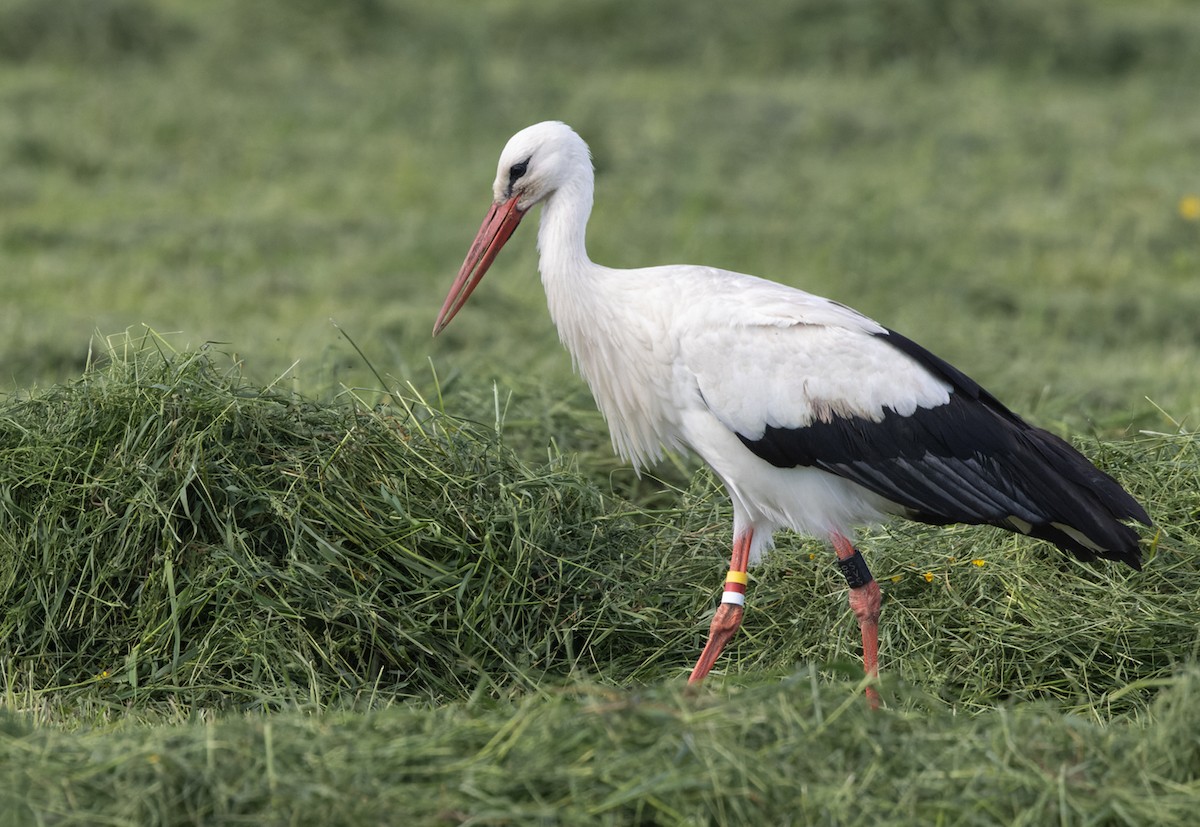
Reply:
x=865, y=602
x=729, y=614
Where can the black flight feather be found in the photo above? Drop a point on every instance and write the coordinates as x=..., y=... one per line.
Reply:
x=971, y=460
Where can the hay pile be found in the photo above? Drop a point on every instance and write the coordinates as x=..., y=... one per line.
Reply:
x=170, y=534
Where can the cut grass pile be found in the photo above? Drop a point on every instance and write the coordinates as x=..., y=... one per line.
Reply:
x=804, y=750
x=169, y=530
x=173, y=535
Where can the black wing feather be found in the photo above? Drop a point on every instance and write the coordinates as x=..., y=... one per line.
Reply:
x=971, y=460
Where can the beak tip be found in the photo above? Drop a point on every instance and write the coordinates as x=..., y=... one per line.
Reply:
x=502, y=219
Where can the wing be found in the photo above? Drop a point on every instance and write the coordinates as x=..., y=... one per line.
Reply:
x=867, y=404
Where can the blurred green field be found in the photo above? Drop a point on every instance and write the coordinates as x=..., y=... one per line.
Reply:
x=291, y=186
x=1003, y=185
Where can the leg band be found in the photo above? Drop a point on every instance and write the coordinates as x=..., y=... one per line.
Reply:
x=735, y=587
x=737, y=598
x=854, y=569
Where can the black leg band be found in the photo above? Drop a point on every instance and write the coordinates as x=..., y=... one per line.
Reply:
x=854, y=569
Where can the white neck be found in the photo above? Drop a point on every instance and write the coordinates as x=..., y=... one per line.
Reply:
x=562, y=244
x=602, y=331
x=567, y=272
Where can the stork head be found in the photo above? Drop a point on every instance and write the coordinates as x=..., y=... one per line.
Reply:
x=535, y=163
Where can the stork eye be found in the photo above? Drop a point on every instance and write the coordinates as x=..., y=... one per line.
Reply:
x=517, y=170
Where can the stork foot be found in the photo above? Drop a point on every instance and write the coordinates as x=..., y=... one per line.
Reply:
x=724, y=626
x=728, y=618
x=865, y=601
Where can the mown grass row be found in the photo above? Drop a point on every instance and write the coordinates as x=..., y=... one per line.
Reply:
x=169, y=530
x=803, y=750
x=169, y=533
x=224, y=603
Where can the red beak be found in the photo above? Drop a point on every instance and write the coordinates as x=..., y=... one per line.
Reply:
x=497, y=227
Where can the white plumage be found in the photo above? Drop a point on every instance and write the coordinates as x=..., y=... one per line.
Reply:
x=815, y=417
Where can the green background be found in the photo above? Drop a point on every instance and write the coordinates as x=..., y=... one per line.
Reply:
x=250, y=577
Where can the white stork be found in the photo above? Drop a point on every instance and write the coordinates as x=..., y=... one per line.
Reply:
x=816, y=418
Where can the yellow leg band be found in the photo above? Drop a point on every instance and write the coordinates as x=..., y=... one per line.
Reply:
x=737, y=577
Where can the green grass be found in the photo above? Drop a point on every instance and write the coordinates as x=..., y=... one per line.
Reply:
x=797, y=751
x=250, y=173
x=289, y=561
x=183, y=548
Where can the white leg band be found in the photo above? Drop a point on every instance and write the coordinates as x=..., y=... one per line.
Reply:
x=733, y=597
